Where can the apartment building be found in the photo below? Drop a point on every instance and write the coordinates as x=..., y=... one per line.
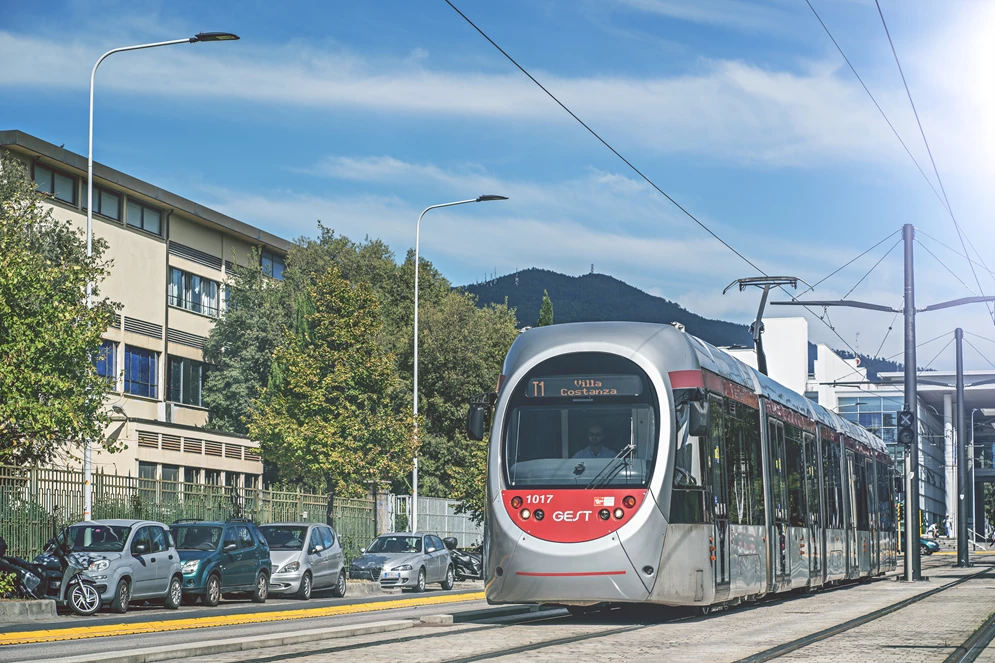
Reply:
x=171, y=257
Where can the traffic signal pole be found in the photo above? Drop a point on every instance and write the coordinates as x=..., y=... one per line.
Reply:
x=913, y=563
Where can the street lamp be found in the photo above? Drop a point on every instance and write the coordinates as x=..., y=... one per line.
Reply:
x=414, y=478
x=201, y=36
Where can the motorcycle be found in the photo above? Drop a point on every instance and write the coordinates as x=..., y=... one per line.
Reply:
x=466, y=565
x=58, y=574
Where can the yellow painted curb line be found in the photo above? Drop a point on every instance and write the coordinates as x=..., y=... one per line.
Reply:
x=162, y=626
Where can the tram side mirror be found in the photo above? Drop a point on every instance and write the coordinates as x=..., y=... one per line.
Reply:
x=698, y=419
x=475, y=421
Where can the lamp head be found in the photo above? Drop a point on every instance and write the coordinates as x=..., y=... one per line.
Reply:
x=484, y=199
x=213, y=36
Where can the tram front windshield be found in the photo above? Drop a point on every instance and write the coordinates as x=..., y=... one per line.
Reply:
x=581, y=430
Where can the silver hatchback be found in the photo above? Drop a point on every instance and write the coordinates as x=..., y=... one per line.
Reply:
x=305, y=557
x=406, y=560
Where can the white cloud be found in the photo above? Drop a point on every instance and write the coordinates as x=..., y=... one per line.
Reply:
x=735, y=14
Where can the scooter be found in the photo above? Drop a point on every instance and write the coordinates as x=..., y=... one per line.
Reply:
x=62, y=575
x=466, y=565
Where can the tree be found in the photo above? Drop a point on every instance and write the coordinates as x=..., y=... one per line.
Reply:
x=326, y=414
x=241, y=344
x=546, y=312
x=51, y=397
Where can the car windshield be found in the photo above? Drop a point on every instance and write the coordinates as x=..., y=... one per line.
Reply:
x=98, y=538
x=285, y=537
x=583, y=420
x=395, y=544
x=196, y=537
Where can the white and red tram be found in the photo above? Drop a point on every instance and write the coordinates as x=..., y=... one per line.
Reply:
x=632, y=462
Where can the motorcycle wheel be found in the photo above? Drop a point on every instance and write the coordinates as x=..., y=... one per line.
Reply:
x=84, y=599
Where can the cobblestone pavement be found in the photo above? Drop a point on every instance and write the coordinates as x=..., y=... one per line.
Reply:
x=928, y=630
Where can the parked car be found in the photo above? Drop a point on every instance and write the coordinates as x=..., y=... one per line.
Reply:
x=406, y=560
x=305, y=557
x=129, y=560
x=928, y=546
x=222, y=558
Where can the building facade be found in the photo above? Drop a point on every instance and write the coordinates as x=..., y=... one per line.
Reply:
x=171, y=258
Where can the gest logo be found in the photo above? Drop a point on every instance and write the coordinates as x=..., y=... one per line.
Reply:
x=571, y=516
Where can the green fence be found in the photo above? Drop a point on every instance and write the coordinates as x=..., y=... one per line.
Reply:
x=35, y=503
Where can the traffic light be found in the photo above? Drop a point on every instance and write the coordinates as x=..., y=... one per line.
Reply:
x=906, y=429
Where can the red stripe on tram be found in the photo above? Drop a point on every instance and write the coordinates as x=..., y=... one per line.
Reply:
x=686, y=379
x=571, y=575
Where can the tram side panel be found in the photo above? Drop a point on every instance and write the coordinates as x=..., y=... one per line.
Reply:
x=835, y=508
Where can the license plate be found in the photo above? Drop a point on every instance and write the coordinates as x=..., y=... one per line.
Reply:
x=391, y=576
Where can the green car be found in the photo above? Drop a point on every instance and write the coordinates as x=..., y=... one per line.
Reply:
x=222, y=558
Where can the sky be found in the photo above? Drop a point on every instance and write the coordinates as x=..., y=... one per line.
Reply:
x=362, y=114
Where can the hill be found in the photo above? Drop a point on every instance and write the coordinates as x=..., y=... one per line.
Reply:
x=599, y=297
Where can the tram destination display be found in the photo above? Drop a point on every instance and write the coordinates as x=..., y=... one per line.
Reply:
x=584, y=386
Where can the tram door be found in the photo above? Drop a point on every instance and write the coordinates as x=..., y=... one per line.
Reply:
x=779, y=504
x=814, y=504
x=851, y=526
x=870, y=496
x=718, y=474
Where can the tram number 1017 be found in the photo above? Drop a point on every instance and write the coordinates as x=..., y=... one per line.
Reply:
x=538, y=499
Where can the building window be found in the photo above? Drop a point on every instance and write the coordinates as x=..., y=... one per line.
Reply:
x=58, y=185
x=186, y=378
x=106, y=204
x=140, y=372
x=192, y=292
x=272, y=264
x=190, y=474
x=106, y=361
x=148, y=219
x=212, y=477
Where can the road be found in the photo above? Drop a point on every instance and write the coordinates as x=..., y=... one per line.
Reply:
x=949, y=617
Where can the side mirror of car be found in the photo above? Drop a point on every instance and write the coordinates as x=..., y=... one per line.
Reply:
x=230, y=546
x=362, y=551
x=317, y=549
x=140, y=549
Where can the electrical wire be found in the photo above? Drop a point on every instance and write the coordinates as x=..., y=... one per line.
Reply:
x=872, y=269
x=926, y=367
x=919, y=231
x=881, y=361
x=639, y=172
x=983, y=338
x=838, y=270
x=979, y=352
x=969, y=288
x=936, y=171
x=876, y=104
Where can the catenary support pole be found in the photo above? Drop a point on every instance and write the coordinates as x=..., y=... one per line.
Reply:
x=913, y=569
x=963, y=507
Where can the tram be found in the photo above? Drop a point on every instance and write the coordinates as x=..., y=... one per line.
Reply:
x=635, y=463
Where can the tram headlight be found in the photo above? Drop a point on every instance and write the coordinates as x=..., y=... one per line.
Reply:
x=629, y=501
x=619, y=513
x=525, y=514
x=604, y=514
x=538, y=514
x=516, y=502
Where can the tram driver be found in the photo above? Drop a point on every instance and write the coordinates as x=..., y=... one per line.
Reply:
x=596, y=448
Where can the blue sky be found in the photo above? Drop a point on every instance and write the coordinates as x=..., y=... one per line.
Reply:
x=360, y=114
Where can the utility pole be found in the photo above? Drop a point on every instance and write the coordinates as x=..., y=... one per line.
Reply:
x=913, y=563
x=962, y=554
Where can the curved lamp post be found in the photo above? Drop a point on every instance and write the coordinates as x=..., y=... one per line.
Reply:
x=414, y=481
x=201, y=36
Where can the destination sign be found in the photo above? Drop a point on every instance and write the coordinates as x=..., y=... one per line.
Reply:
x=584, y=386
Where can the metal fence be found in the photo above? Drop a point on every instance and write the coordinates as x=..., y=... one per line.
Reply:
x=437, y=515
x=35, y=503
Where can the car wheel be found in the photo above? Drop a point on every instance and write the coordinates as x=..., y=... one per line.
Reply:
x=261, y=590
x=420, y=587
x=174, y=597
x=450, y=580
x=304, y=593
x=212, y=593
x=925, y=550
x=122, y=595
x=84, y=599
x=340, y=585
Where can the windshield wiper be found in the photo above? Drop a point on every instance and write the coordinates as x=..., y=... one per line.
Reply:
x=613, y=466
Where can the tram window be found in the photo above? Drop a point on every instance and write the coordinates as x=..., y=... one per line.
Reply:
x=795, y=476
x=687, y=501
x=812, y=484
x=862, y=489
x=742, y=428
x=885, y=506
x=571, y=445
x=833, y=483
